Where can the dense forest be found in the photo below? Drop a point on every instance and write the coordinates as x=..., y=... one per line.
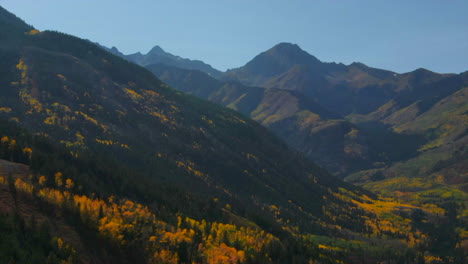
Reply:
x=54, y=209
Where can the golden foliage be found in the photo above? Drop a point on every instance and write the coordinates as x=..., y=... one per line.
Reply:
x=165, y=257
x=33, y=32
x=132, y=94
x=24, y=93
x=28, y=152
x=59, y=243
x=21, y=65
x=69, y=184
x=23, y=186
x=4, y=140
x=58, y=179
x=51, y=120
x=384, y=219
x=61, y=77
x=161, y=117
x=61, y=107
x=125, y=221
x=224, y=254
x=105, y=142
x=42, y=180
x=109, y=142
x=190, y=167
x=12, y=144
x=88, y=118
x=5, y=109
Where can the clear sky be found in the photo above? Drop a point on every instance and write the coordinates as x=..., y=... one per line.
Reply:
x=399, y=35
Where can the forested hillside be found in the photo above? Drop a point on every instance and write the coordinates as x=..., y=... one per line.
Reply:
x=400, y=135
x=104, y=163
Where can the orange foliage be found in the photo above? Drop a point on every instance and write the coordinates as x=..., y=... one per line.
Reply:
x=165, y=257
x=23, y=186
x=42, y=180
x=28, y=151
x=133, y=94
x=4, y=140
x=5, y=109
x=33, y=32
x=125, y=221
x=69, y=184
x=223, y=254
x=58, y=179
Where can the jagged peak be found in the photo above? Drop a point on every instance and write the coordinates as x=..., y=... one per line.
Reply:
x=156, y=50
x=292, y=52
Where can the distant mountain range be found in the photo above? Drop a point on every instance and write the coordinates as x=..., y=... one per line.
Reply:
x=337, y=96
x=301, y=122
x=158, y=55
x=399, y=114
x=375, y=127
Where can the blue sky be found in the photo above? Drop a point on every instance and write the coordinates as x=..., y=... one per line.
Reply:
x=395, y=35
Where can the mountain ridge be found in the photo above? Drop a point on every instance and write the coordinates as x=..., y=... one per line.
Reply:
x=158, y=55
x=393, y=118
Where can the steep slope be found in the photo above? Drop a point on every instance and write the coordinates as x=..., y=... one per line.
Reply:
x=328, y=139
x=75, y=93
x=435, y=110
x=10, y=24
x=59, y=220
x=332, y=142
x=378, y=102
x=416, y=136
x=439, y=169
x=272, y=63
x=417, y=120
x=66, y=218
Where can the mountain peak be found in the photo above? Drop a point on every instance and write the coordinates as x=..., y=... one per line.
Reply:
x=423, y=71
x=274, y=62
x=288, y=49
x=291, y=54
x=156, y=50
x=286, y=46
